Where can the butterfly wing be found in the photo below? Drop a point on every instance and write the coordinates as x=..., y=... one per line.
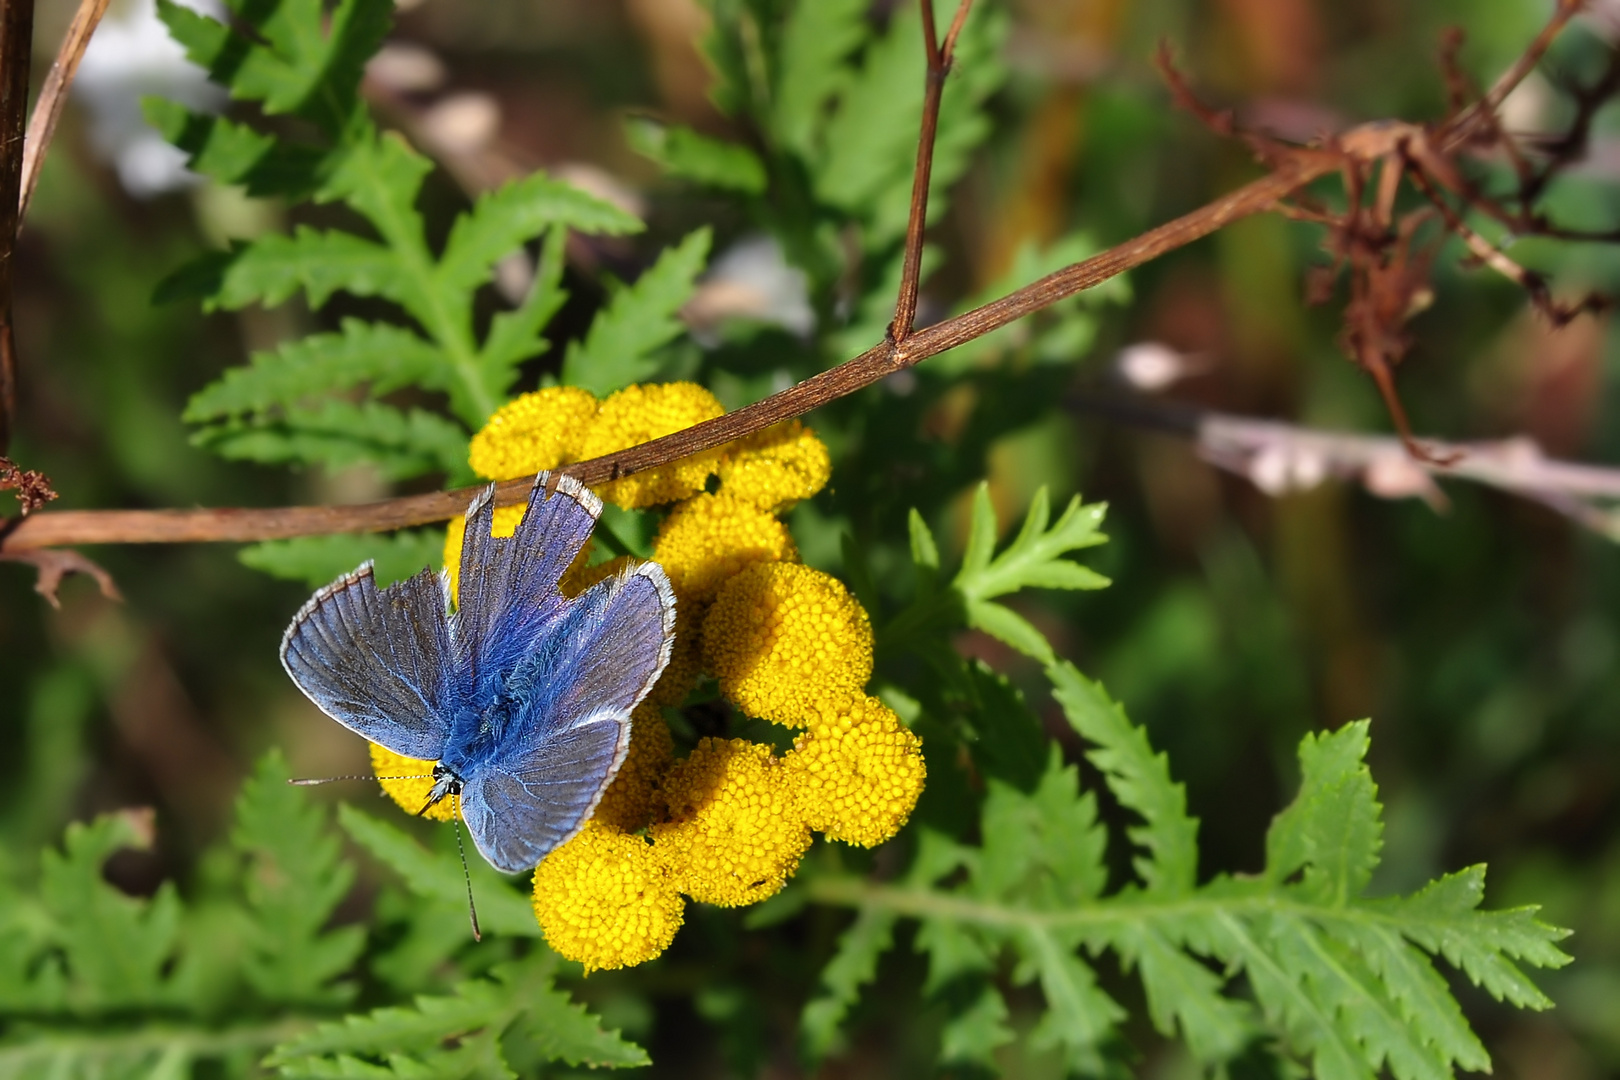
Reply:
x=379, y=663
x=570, y=734
x=508, y=587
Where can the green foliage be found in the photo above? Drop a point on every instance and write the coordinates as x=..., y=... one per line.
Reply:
x=1298, y=953
x=460, y=1034
x=639, y=320
x=95, y=982
x=281, y=408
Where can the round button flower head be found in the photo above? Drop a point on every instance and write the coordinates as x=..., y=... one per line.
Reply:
x=408, y=781
x=777, y=467
x=541, y=430
x=640, y=413
x=710, y=538
x=858, y=771
x=605, y=899
x=735, y=834
x=783, y=638
x=633, y=799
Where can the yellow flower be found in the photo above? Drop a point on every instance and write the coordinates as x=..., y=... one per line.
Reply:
x=642, y=412
x=777, y=467
x=735, y=834
x=631, y=801
x=605, y=899
x=407, y=781
x=857, y=772
x=782, y=637
x=710, y=538
x=537, y=431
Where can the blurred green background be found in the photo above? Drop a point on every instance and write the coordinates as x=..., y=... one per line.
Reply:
x=1483, y=642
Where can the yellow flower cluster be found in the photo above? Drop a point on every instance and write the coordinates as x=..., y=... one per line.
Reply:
x=729, y=823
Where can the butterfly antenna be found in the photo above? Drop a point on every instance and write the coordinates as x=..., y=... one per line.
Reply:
x=472, y=911
x=307, y=781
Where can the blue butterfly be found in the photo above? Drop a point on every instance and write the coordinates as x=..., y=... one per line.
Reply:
x=521, y=696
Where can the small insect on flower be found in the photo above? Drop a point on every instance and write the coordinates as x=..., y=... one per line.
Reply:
x=520, y=696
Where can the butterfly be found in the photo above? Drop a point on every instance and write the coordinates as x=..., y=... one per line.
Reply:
x=520, y=696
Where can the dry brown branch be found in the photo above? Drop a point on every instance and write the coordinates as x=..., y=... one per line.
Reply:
x=56, y=527
x=16, y=47
x=53, y=97
x=1281, y=458
x=1376, y=246
x=939, y=66
x=54, y=564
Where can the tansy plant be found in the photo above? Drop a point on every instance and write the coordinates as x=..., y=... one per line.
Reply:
x=821, y=750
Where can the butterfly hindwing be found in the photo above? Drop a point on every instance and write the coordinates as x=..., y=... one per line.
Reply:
x=379, y=662
x=575, y=694
x=518, y=813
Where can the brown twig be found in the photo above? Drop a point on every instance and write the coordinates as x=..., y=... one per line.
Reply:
x=51, y=528
x=53, y=96
x=54, y=564
x=939, y=66
x=16, y=47
x=1374, y=244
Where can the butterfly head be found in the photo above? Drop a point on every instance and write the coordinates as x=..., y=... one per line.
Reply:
x=445, y=782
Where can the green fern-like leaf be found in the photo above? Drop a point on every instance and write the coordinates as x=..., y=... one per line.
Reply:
x=1343, y=981
x=687, y=155
x=639, y=320
x=437, y=876
x=852, y=966
x=520, y=1002
x=1034, y=559
x=296, y=877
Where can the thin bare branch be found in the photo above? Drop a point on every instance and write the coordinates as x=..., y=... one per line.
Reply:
x=1281, y=458
x=939, y=65
x=54, y=564
x=56, y=527
x=53, y=97
x=16, y=49
x=1483, y=111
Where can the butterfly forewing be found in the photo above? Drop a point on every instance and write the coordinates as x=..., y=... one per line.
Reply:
x=508, y=587
x=378, y=662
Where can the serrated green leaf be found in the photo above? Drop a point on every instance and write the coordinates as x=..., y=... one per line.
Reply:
x=1442, y=917
x=116, y=947
x=1006, y=625
x=1011, y=745
x=639, y=319
x=973, y=1033
x=316, y=560
x=1079, y=1014
x=339, y=433
x=234, y=153
x=503, y=220
x=1034, y=559
x=1183, y=992
x=274, y=267
x=386, y=357
x=687, y=155
x=871, y=140
x=1139, y=779
x=514, y=336
x=520, y=994
x=1332, y=830
x=296, y=878
x=816, y=41
x=437, y=875
x=1044, y=847
x=851, y=967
